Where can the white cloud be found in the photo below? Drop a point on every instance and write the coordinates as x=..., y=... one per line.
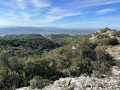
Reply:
x=45, y=11
x=55, y=11
x=108, y=2
x=40, y=3
x=21, y=4
x=51, y=17
x=89, y=3
x=106, y=10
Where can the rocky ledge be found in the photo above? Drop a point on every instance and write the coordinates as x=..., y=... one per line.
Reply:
x=83, y=83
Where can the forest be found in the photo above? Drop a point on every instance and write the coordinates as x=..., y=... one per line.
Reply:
x=37, y=61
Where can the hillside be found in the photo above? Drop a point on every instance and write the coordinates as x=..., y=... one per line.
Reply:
x=109, y=38
x=26, y=47
x=21, y=36
x=65, y=39
x=38, y=62
x=105, y=33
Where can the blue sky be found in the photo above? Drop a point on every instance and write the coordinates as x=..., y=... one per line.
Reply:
x=60, y=13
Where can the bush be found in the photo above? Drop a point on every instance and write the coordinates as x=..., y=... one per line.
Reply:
x=9, y=80
x=113, y=41
x=108, y=41
x=95, y=73
x=101, y=36
x=39, y=82
x=40, y=66
x=104, y=30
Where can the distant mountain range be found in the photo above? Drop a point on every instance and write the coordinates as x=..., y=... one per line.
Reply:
x=43, y=30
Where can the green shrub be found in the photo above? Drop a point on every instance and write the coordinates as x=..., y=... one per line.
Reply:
x=113, y=41
x=101, y=36
x=41, y=67
x=104, y=30
x=73, y=71
x=39, y=82
x=95, y=73
x=108, y=41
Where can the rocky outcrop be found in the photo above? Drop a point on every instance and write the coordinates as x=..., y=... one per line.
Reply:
x=106, y=31
x=85, y=83
x=82, y=83
x=114, y=52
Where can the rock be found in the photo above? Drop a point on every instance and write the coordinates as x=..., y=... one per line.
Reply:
x=82, y=83
x=24, y=88
x=63, y=82
x=87, y=83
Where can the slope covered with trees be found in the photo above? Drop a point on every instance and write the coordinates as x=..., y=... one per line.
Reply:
x=37, y=62
x=21, y=36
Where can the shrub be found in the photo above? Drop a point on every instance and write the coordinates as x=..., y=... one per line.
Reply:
x=40, y=66
x=104, y=30
x=95, y=73
x=101, y=36
x=39, y=82
x=113, y=41
x=108, y=41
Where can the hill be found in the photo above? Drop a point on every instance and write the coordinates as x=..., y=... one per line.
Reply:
x=65, y=39
x=27, y=47
x=54, y=36
x=30, y=61
x=21, y=36
x=105, y=33
x=109, y=39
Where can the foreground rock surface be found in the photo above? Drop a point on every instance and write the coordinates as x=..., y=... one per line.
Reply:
x=82, y=83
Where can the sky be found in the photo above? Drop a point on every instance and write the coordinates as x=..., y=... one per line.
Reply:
x=60, y=13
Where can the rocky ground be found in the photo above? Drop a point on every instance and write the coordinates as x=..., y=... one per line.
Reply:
x=114, y=52
x=85, y=83
x=82, y=83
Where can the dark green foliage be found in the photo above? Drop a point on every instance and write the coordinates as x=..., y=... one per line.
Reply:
x=42, y=67
x=104, y=30
x=113, y=41
x=18, y=63
x=64, y=39
x=101, y=36
x=83, y=60
x=55, y=36
x=27, y=47
x=9, y=80
x=21, y=36
x=107, y=41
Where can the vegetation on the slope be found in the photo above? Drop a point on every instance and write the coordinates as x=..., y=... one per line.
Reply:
x=21, y=36
x=64, y=39
x=27, y=62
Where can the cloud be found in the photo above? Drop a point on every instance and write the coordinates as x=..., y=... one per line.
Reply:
x=52, y=17
x=89, y=3
x=108, y=2
x=106, y=10
x=46, y=11
x=40, y=3
x=55, y=11
x=21, y=4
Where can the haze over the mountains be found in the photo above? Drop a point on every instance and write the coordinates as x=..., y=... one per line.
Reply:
x=43, y=30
